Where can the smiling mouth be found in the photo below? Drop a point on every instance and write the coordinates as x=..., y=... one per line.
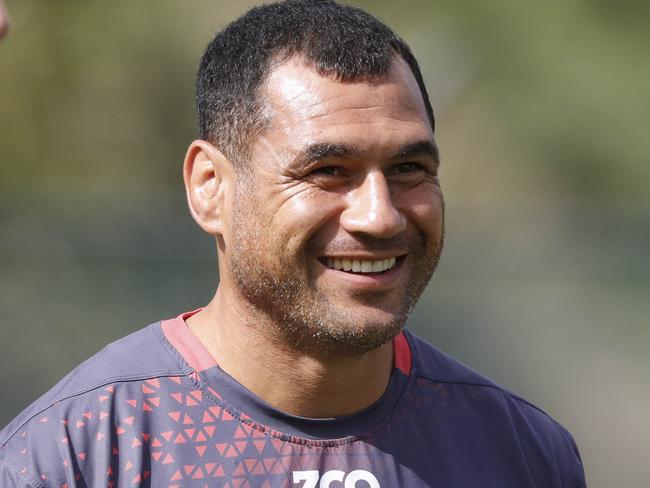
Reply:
x=360, y=265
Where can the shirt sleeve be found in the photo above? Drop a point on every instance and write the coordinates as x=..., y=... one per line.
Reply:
x=10, y=477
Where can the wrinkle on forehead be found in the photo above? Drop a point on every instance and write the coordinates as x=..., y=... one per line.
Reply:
x=296, y=92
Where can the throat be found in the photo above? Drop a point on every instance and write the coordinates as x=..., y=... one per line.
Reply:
x=302, y=383
x=309, y=387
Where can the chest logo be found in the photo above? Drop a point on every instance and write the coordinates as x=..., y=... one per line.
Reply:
x=313, y=479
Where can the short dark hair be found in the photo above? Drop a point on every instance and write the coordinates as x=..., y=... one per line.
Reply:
x=337, y=40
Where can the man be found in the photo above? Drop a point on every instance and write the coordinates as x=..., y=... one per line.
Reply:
x=316, y=173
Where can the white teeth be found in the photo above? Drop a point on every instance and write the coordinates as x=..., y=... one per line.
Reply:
x=361, y=266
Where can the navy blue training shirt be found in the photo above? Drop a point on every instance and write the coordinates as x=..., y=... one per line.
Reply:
x=155, y=409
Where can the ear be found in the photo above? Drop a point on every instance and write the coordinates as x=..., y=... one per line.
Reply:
x=209, y=181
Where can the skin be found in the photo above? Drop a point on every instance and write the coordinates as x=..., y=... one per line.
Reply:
x=345, y=170
x=4, y=20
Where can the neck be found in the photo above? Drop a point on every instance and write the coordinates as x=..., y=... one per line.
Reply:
x=297, y=382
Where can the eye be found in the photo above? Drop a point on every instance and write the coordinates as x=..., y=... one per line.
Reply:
x=328, y=177
x=328, y=171
x=404, y=168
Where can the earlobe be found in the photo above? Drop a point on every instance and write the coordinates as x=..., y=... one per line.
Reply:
x=208, y=176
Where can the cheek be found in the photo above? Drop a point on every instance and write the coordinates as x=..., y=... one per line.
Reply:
x=304, y=216
x=426, y=210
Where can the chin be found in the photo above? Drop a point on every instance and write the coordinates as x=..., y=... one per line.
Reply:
x=347, y=338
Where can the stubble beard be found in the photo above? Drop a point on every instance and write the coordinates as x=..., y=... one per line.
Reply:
x=278, y=287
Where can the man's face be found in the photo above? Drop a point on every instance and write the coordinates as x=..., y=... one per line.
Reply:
x=339, y=226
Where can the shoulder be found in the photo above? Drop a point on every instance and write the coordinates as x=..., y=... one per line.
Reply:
x=80, y=416
x=433, y=364
x=484, y=404
x=142, y=355
x=433, y=367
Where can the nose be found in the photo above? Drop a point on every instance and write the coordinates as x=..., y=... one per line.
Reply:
x=371, y=210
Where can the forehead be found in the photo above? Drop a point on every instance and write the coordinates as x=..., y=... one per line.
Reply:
x=305, y=107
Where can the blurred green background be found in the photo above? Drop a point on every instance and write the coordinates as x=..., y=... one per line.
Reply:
x=543, y=113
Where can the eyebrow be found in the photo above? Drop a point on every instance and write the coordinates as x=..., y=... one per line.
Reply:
x=419, y=148
x=320, y=151
x=324, y=150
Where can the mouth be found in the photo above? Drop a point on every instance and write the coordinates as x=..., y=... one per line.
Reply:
x=364, y=274
x=365, y=271
x=362, y=266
